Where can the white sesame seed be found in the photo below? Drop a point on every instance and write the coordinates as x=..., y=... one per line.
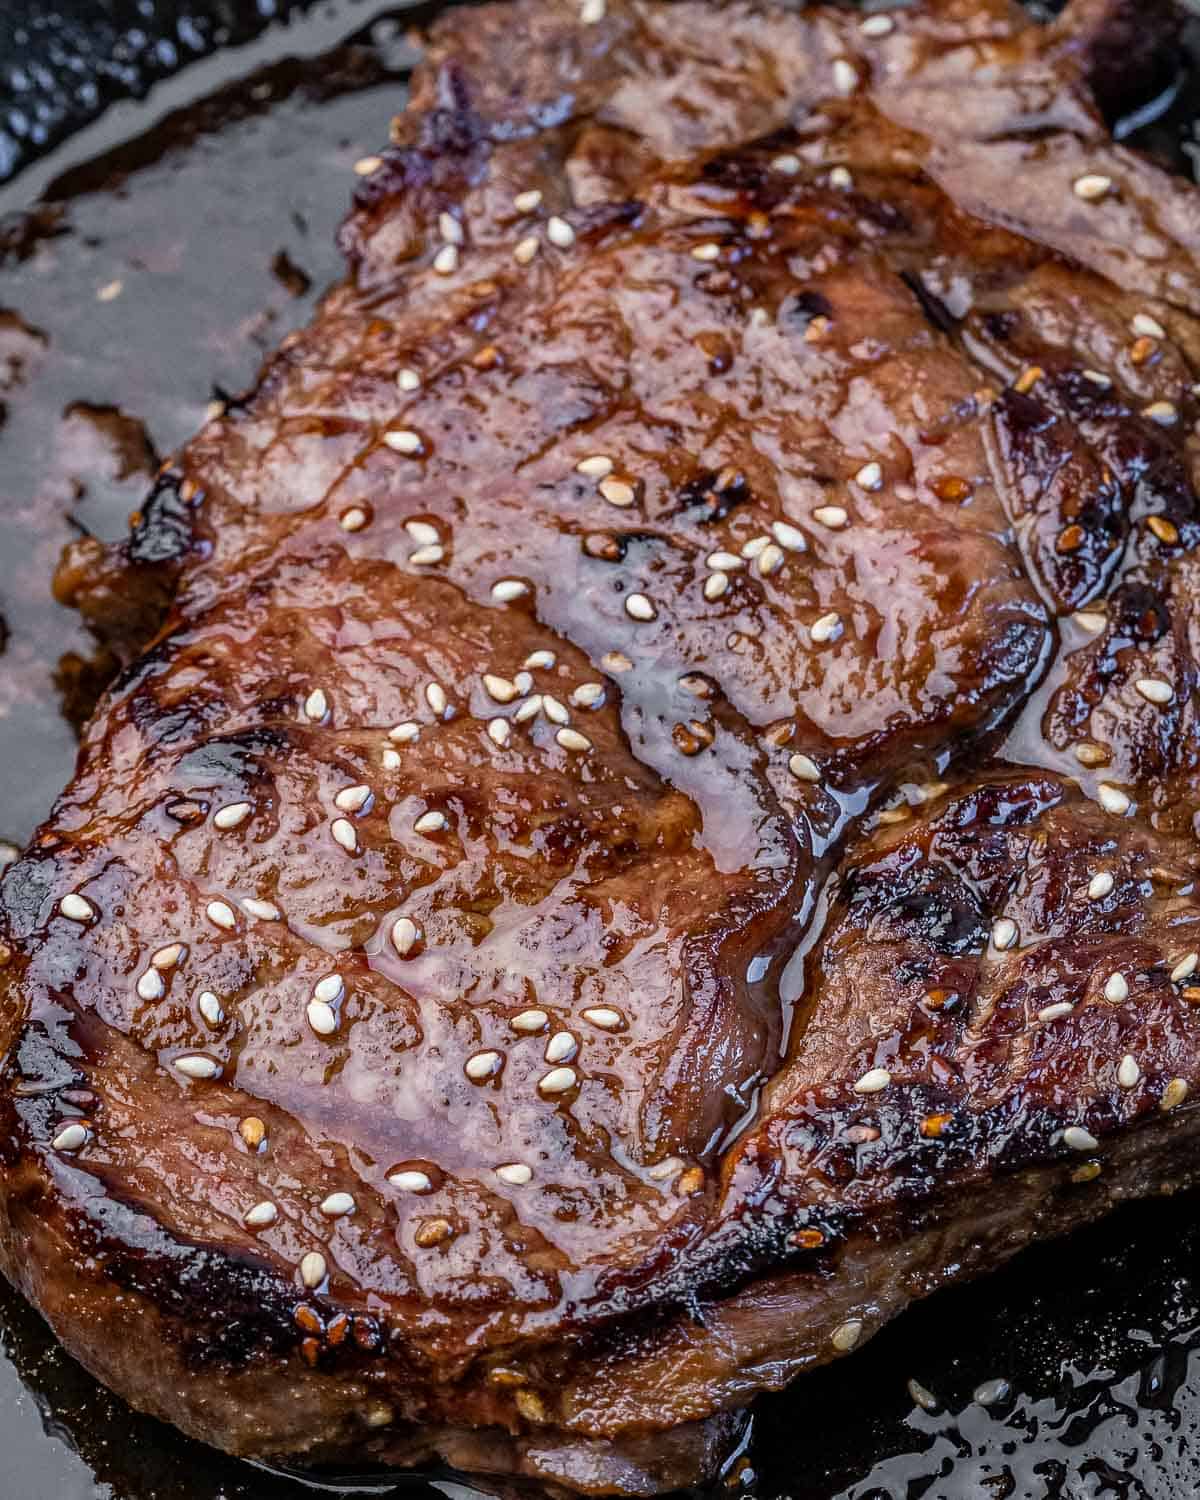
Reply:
x=390, y=760
x=232, y=814
x=265, y=911
x=1057, y=1011
x=708, y=251
x=1185, y=968
x=316, y=705
x=537, y=659
x=1116, y=988
x=432, y=821
x=877, y=26
x=873, y=1081
x=75, y=908
x=70, y=1137
x=804, y=768
x=1092, y=185
x=559, y=232
x=150, y=985
x=435, y=696
x=770, y=559
x=261, y=1215
x=530, y=1021
x=870, y=476
x=220, y=914
x=423, y=533
x=1128, y=1073
x=499, y=688
x=571, y=739
x=168, y=957
x=788, y=536
x=210, y=1008
x=498, y=731
x=1147, y=327
x=638, y=607
x=426, y=557
x=1097, y=377
x=405, y=933
x=353, y=519
x=561, y=1047
x=1091, y=622
x=1112, y=799
x=529, y=709
x=1004, y=933
x=832, y=516
x=403, y=440
x=508, y=589
x=1100, y=885
x=353, y=798
x=725, y=562
x=604, y=1017
x=330, y=989
x=588, y=694
x=405, y=733
x=787, y=163
x=321, y=1017
x=412, y=1181
x=313, y=1269
x=445, y=262
x=826, y=627
x=591, y=12
x=525, y=249
x=715, y=585
x=846, y=1335
x=408, y=380
x=337, y=1205
x=483, y=1065
x=558, y=1081
x=617, y=492
x=526, y=202
x=754, y=546
x=110, y=291
x=598, y=466
x=515, y=1173
x=196, y=1065
x=839, y=177
x=365, y=165
x=845, y=76
x=1079, y=1139
x=1165, y=413
x=449, y=228
x=1155, y=690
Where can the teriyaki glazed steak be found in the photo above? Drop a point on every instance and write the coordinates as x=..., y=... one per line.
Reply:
x=651, y=813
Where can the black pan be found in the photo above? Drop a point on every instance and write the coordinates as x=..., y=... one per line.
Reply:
x=172, y=179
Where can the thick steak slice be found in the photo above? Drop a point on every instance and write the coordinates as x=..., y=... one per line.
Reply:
x=658, y=823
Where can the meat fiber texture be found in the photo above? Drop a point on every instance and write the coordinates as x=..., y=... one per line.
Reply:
x=651, y=816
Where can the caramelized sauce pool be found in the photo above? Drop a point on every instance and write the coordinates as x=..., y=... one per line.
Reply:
x=178, y=251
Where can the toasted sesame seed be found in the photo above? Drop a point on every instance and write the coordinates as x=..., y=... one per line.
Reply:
x=561, y=1047
x=873, y=1081
x=321, y=1017
x=252, y=1131
x=403, y=440
x=525, y=249
x=992, y=1392
x=870, y=476
x=1128, y=1072
x=617, y=491
x=1155, y=690
x=197, y=1065
x=604, y=1017
x=558, y=1081
x=353, y=798
x=559, y=232
x=426, y=557
x=429, y=1233
x=265, y=911
x=150, y=985
x=1174, y=1094
x=839, y=177
x=499, y=688
x=1100, y=885
x=221, y=914
x=445, y=262
x=1027, y=379
x=706, y=252
x=526, y=202
x=353, y=519
x=70, y=1137
x=405, y=934
x=588, y=695
x=825, y=628
x=1165, y=413
x=923, y=1397
x=804, y=768
x=516, y=1173
x=405, y=733
x=261, y=1215
x=1147, y=327
x=483, y=1065
x=408, y=380
x=365, y=165
x=232, y=814
x=1088, y=754
x=571, y=739
x=337, y=1205
x=789, y=537
x=877, y=26
x=210, y=1008
x=638, y=607
x=412, y=1181
x=770, y=559
x=1056, y=1012
x=1004, y=933
x=787, y=163
x=715, y=585
x=498, y=731
x=435, y=696
x=313, y=1269
x=508, y=589
x=1092, y=185
x=1091, y=622
x=1112, y=799
x=316, y=706
x=832, y=516
x=168, y=957
x=1185, y=968
x=1166, y=531
x=846, y=1335
x=76, y=908
x=432, y=821
x=529, y=709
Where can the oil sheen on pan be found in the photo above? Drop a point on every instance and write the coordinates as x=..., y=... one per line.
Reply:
x=598, y=435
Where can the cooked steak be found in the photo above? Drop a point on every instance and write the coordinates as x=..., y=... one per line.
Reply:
x=659, y=821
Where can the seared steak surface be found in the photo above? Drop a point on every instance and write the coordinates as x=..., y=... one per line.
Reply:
x=660, y=821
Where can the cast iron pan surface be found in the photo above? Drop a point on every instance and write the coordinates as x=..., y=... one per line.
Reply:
x=151, y=253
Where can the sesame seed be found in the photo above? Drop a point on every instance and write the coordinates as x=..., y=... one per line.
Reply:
x=483, y=1065
x=405, y=933
x=992, y=1392
x=210, y=1008
x=1112, y=799
x=1089, y=621
x=708, y=251
x=1185, y=968
x=558, y=1081
x=435, y=696
x=449, y=228
x=839, y=177
x=1100, y=885
x=754, y=546
x=804, y=768
x=618, y=492
x=405, y=733
x=1004, y=933
x=1165, y=413
x=873, y=1081
x=588, y=694
x=826, y=627
x=425, y=557
x=715, y=585
x=197, y=1065
x=559, y=232
x=252, y=1131
x=110, y=291
x=726, y=562
x=1098, y=378
x=313, y=1269
x=353, y=519
x=231, y=815
x=411, y=1181
x=526, y=202
x=408, y=380
x=592, y=11
x=168, y=957
x=403, y=440
x=1092, y=185
x=786, y=163
x=870, y=476
x=561, y=1047
x=525, y=249
x=537, y=659
x=604, y=1017
x=432, y=821
x=365, y=165
x=571, y=739
x=337, y=1205
x=615, y=661
x=353, y=798
x=509, y=589
x=1116, y=988
x=1091, y=755
x=1155, y=690
x=846, y=1335
x=529, y=709
x=315, y=705
x=1174, y=1094
x=1166, y=531
x=265, y=911
x=445, y=262
x=1128, y=1073
x=845, y=76
x=516, y=1173
x=832, y=516
x=1147, y=327
x=220, y=914
x=428, y=1234
x=499, y=688
x=70, y=1137
x=321, y=1017
x=1027, y=379
x=330, y=989
x=638, y=607
x=877, y=26
x=1055, y=1012
x=498, y=731
x=261, y=1215
x=789, y=537
x=75, y=908
x=598, y=466
x=770, y=560
x=530, y=1021
x=390, y=760
x=150, y=985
